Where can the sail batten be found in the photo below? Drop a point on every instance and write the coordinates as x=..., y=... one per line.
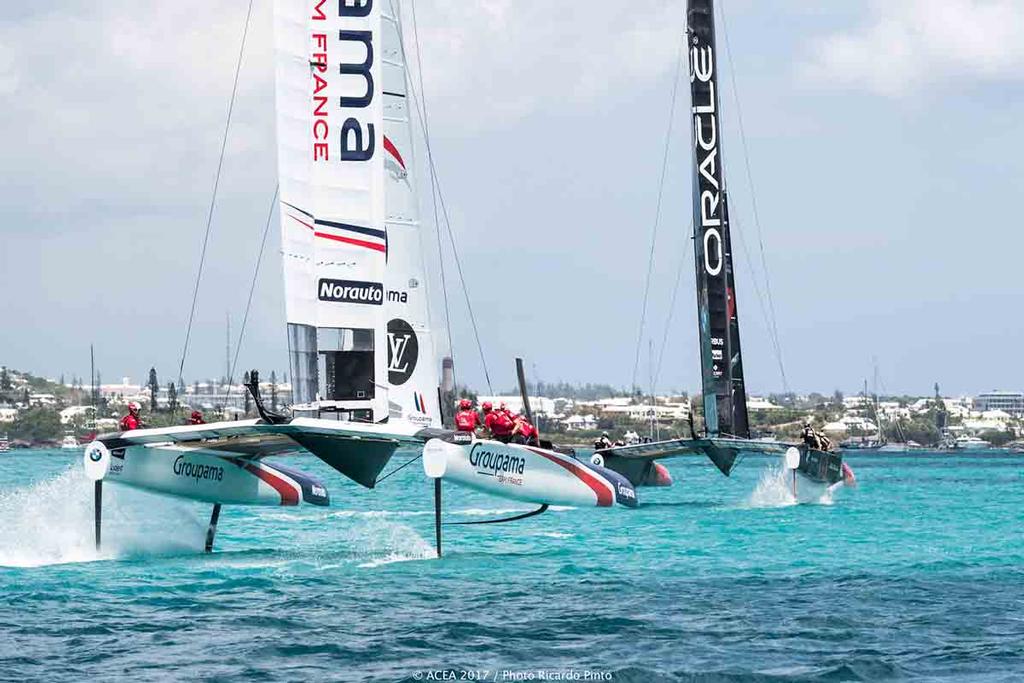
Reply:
x=725, y=410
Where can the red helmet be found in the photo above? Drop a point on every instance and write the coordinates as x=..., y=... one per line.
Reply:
x=465, y=404
x=487, y=406
x=502, y=406
x=133, y=407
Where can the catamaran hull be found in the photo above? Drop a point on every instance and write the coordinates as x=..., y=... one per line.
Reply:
x=203, y=476
x=526, y=473
x=640, y=472
x=817, y=475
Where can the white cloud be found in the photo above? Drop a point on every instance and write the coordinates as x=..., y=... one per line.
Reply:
x=511, y=58
x=126, y=101
x=909, y=44
x=113, y=100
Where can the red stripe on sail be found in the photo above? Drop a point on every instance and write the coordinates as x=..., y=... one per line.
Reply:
x=348, y=240
x=301, y=221
x=393, y=151
x=604, y=496
x=289, y=496
x=338, y=238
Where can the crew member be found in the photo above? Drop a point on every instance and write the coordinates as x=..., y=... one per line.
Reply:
x=524, y=432
x=603, y=442
x=467, y=419
x=196, y=418
x=131, y=420
x=498, y=423
x=810, y=437
x=824, y=441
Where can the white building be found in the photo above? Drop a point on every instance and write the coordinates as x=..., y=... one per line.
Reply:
x=642, y=413
x=760, y=403
x=575, y=423
x=1011, y=402
x=602, y=403
x=540, y=405
x=68, y=415
x=8, y=414
x=852, y=424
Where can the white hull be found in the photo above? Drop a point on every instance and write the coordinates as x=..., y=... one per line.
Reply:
x=195, y=474
x=972, y=445
x=525, y=473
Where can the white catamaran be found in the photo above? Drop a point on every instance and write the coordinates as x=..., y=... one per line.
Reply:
x=363, y=360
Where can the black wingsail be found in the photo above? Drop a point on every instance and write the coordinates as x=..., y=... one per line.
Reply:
x=725, y=403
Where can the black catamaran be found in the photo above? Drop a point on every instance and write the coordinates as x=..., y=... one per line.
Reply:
x=726, y=423
x=725, y=401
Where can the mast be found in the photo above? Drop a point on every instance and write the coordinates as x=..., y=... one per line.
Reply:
x=227, y=350
x=724, y=393
x=92, y=377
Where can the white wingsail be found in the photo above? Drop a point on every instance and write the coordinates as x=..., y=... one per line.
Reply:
x=412, y=355
x=359, y=337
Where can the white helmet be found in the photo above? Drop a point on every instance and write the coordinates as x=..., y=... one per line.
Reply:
x=133, y=407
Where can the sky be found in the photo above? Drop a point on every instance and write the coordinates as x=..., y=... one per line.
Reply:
x=883, y=141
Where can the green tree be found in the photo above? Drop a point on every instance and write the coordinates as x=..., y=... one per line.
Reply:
x=154, y=389
x=273, y=390
x=5, y=379
x=921, y=430
x=172, y=397
x=998, y=438
x=37, y=424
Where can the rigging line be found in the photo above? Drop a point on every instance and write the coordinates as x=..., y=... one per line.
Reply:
x=683, y=261
x=462, y=279
x=657, y=214
x=774, y=330
x=252, y=288
x=433, y=181
x=773, y=340
x=398, y=469
x=213, y=198
x=421, y=113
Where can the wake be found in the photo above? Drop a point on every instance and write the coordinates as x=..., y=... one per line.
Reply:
x=51, y=522
x=775, y=490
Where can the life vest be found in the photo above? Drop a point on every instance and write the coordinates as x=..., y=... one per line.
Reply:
x=129, y=422
x=499, y=423
x=526, y=429
x=466, y=420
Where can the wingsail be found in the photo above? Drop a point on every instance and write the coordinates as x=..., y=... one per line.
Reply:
x=725, y=406
x=359, y=335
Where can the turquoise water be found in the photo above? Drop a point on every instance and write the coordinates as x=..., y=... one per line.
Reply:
x=915, y=574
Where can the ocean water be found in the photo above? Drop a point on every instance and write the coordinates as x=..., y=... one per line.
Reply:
x=917, y=573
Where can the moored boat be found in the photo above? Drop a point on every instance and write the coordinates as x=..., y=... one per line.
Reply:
x=971, y=443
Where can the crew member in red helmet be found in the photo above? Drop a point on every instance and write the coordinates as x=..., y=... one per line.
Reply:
x=131, y=420
x=467, y=419
x=524, y=432
x=196, y=418
x=498, y=422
